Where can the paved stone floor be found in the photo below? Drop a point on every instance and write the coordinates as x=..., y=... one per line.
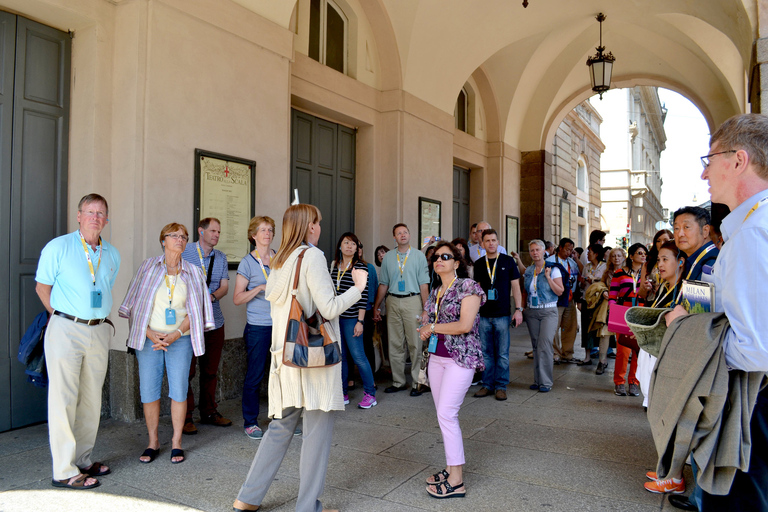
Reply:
x=577, y=448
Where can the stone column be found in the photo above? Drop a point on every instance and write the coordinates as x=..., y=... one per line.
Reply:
x=535, y=190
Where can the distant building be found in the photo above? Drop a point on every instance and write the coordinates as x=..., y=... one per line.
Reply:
x=630, y=178
x=575, y=197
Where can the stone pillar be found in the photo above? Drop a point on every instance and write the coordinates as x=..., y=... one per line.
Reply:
x=535, y=190
x=758, y=87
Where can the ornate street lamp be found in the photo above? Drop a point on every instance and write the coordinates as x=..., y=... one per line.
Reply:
x=601, y=66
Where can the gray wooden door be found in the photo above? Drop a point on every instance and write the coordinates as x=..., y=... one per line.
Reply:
x=33, y=164
x=460, y=202
x=323, y=170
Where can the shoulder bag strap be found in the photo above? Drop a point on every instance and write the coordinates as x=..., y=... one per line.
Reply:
x=210, y=270
x=298, y=270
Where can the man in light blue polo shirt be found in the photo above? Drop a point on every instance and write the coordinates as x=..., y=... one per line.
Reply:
x=74, y=277
x=404, y=283
x=213, y=264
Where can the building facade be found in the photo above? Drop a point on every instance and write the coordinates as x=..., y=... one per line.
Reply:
x=352, y=103
x=575, y=195
x=630, y=178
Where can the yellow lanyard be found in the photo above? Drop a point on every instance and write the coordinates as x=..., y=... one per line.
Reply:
x=535, y=276
x=661, y=299
x=340, y=275
x=88, y=257
x=170, y=287
x=690, y=271
x=437, y=301
x=205, y=270
x=757, y=205
x=492, y=275
x=402, y=265
x=263, y=270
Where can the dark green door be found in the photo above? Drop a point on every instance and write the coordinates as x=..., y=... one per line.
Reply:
x=460, y=202
x=34, y=128
x=323, y=171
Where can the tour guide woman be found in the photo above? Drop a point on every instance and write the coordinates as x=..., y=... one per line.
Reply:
x=455, y=354
x=168, y=308
x=315, y=391
x=543, y=285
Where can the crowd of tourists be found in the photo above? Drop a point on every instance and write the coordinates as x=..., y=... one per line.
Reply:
x=439, y=316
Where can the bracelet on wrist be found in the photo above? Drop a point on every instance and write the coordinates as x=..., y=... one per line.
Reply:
x=180, y=333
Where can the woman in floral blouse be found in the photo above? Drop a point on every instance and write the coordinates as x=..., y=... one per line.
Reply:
x=455, y=353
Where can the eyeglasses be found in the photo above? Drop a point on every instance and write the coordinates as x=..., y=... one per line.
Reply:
x=445, y=257
x=705, y=159
x=97, y=214
x=178, y=237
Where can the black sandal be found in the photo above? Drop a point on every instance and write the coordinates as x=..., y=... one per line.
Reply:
x=151, y=453
x=438, y=477
x=96, y=469
x=77, y=482
x=176, y=452
x=450, y=490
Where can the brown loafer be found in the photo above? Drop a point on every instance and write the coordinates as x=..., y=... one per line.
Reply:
x=482, y=392
x=501, y=394
x=189, y=429
x=216, y=419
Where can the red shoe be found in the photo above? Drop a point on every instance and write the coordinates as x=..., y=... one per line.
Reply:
x=668, y=486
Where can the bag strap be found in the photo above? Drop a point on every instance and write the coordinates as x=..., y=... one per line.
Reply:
x=298, y=270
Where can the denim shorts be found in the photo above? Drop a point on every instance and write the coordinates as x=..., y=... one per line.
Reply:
x=175, y=361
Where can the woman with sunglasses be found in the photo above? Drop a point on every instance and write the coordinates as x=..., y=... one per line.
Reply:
x=626, y=290
x=168, y=308
x=453, y=343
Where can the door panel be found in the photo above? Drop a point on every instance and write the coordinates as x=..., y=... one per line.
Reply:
x=323, y=170
x=38, y=185
x=7, y=56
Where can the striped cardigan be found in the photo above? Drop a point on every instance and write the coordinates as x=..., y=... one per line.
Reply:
x=138, y=302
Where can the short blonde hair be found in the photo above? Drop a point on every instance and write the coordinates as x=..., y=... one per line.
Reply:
x=172, y=228
x=253, y=226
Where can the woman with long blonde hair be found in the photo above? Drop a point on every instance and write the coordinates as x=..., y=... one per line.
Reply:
x=315, y=392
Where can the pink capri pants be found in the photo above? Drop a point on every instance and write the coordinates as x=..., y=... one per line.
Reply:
x=449, y=383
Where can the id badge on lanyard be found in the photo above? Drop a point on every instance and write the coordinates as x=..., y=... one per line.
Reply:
x=492, y=294
x=432, y=344
x=401, y=286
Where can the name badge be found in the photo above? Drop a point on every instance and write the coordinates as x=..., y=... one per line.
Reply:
x=534, y=301
x=492, y=294
x=432, y=344
x=401, y=286
x=170, y=316
x=96, y=299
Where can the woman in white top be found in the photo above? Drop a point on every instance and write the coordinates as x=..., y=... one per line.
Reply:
x=314, y=391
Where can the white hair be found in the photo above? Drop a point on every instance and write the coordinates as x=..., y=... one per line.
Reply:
x=539, y=243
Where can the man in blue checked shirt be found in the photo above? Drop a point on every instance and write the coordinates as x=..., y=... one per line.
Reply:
x=213, y=264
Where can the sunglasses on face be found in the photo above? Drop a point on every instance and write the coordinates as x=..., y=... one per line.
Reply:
x=445, y=257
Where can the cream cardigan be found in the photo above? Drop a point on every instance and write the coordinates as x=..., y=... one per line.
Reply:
x=315, y=388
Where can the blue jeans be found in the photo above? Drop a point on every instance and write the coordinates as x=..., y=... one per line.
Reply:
x=258, y=339
x=354, y=344
x=494, y=333
x=175, y=361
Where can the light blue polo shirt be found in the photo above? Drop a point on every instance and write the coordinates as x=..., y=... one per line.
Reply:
x=64, y=266
x=415, y=271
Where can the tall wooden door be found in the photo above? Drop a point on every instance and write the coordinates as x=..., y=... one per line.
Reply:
x=460, y=202
x=34, y=128
x=323, y=171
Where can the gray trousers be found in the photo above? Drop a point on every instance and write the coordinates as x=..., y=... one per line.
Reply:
x=313, y=463
x=542, y=324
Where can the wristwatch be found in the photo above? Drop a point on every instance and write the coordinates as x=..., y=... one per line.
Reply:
x=360, y=321
x=519, y=309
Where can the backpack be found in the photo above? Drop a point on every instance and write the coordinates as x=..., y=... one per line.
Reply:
x=563, y=300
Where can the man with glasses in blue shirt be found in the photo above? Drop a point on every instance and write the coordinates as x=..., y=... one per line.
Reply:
x=737, y=171
x=75, y=276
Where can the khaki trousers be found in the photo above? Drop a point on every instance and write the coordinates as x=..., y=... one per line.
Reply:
x=565, y=335
x=403, y=318
x=76, y=356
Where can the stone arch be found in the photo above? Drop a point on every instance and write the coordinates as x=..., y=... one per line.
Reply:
x=550, y=127
x=490, y=104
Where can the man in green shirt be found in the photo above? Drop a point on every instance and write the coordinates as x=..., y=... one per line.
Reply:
x=404, y=282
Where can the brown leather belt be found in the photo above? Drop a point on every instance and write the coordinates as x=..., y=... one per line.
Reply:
x=96, y=321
